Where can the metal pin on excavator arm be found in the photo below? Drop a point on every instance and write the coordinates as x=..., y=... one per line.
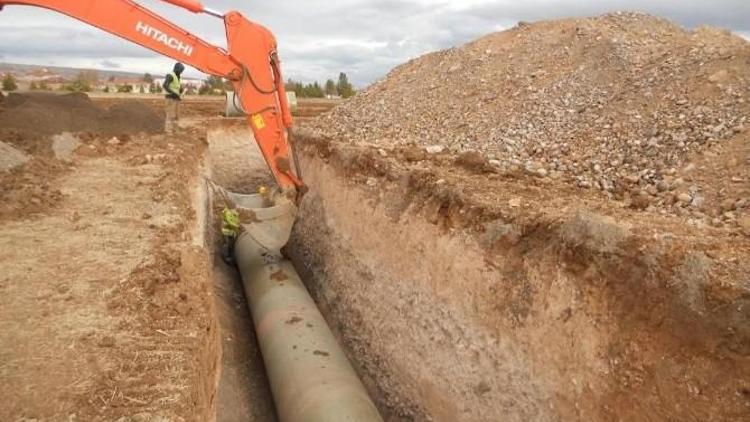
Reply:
x=251, y=64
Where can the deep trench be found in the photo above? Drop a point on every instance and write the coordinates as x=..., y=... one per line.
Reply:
x=243, y=392
x=545, y=328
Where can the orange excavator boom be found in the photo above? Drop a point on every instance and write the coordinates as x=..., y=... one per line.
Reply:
x=251, y=63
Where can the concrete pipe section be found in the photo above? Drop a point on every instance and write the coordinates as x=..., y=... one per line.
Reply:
x=233, y=104
x=310, y=376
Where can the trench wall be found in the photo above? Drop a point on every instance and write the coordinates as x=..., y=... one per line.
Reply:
x=549, y=320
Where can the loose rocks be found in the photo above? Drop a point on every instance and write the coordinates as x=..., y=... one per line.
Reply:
x=614, y=103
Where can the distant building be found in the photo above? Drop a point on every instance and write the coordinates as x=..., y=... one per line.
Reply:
x=40, y=78
x=135, y=85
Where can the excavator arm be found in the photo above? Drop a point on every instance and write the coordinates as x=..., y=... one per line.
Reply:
x=251, y=64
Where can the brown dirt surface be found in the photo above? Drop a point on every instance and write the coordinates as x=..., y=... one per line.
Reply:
x=51, y=113
x=536, y=301
x=562, y=215
x=105, y=311
x=11, y=157
x=28, y=189
x=618, y=103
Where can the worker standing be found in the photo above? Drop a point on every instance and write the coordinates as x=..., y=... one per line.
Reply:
x=230, y=229
x=173, y=87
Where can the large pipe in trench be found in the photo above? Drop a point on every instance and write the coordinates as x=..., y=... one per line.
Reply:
x=311, y=378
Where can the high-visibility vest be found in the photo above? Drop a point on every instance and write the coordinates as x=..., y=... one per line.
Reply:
x=230, y=222
x=175, y=85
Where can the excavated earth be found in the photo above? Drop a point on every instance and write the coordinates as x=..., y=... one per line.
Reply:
x=545, y=224
x=550, y=223
x=115, y=305
x=105, y=312
x=46, y=113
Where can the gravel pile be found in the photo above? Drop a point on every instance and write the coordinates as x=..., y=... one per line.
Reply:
x=616, y=103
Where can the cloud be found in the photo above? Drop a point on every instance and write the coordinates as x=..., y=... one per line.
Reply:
x=41, y=41
x=320, y=38
x=108, y=64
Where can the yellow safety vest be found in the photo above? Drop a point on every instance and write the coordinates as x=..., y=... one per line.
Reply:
x=176, y=84
x=230, y=222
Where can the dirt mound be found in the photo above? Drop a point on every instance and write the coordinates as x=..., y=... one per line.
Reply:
x=48, y=114
x=29, y=190
x=127, y=116
x=620, y=103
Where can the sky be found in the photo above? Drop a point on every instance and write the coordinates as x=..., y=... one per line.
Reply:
x=320, y=38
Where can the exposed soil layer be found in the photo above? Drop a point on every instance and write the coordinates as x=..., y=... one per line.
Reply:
x=105, y=309
x=549, y=223
x=115, y=316
x=49, y=113
x=491, y=298
x=243, y=394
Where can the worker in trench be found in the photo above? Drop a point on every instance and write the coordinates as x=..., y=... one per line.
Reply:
x=231, y=226
x=230, y=230
x=174, y=90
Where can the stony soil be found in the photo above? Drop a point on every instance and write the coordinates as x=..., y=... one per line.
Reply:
x=458, y=236
x=619, y=103
x=562, y=226
x=496, y=299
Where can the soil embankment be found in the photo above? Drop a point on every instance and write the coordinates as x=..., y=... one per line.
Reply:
x=460, y=307
x=44, y=113
x=105, y=309
x=550, y=223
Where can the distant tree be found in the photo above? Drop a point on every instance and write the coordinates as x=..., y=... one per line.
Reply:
x=215, y=85
x=84, y=81
x=344, y=87
x=148, y=78
x=142, y=90
x=106, y=89
x=125, y=88
x=111, y=78
x=44, y=87
x=9, y=83
x=296, y=87
x=331, y=88
x=190, y=90
x=33, y=86
x=89, y=77
x=155, y=88
x=310, y=90
x=314, y=90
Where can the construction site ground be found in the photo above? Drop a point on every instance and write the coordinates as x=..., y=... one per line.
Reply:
x=107, y=308
x=505, y=282
x=548, y=223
